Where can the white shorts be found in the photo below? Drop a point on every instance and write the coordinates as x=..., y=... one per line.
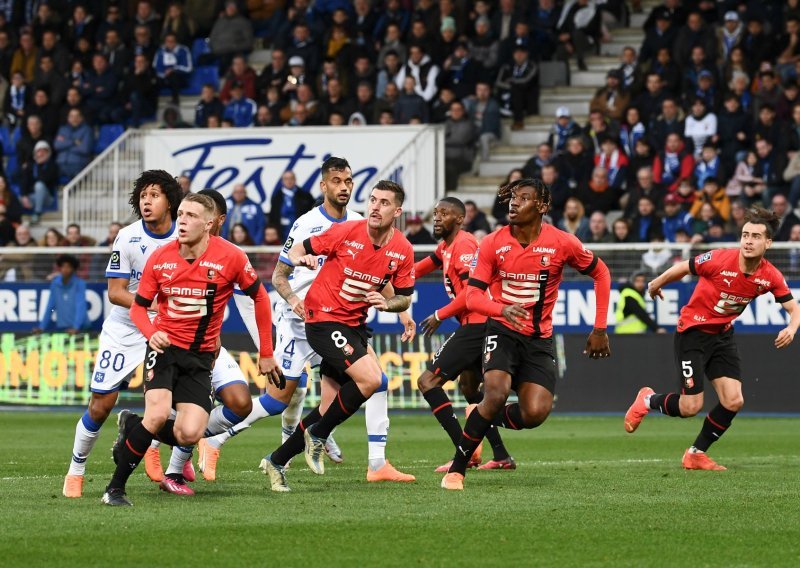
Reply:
x=121, y=349
x=292, y=350
x=226, y=371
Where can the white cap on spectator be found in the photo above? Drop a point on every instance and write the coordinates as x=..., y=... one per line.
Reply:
x=562, y=111
x=731, y=16
x=41, y=145
x=296, y=61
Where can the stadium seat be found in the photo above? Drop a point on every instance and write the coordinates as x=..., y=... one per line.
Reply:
x=9, y=148
x=200, y=46
x=108, y=133
x=202, y=75
x=553, y=74
x=12, y=167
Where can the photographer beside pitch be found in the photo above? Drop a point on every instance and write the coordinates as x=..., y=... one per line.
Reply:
x=729, y=279
x=192, y=278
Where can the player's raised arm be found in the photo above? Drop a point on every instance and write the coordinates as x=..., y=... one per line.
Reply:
x=786, y=335
x=672, y=274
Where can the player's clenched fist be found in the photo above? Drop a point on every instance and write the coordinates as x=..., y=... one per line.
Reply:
x=268, y=367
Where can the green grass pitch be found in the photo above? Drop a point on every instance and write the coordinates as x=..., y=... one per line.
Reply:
x=585, y=494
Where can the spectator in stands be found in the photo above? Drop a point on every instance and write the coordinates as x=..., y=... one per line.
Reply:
x=146, y=15
x=460, y=71
x=701, y=126
x=17, y=100
x=734, y=129
x=574, y=220
x=178, y=22
x=794, y=252
x=709, y=166
x=6, y=228
x=240, y=110
x=630, y=73
x=143, y=42
x=643, y=157
x=611, y=100
x=788, y=220
x=669, y=122
x=474, y=218
x=575, y=165
x=32, y=133
x=240, y=236
x=118, y=55
x=712, y=193
x=300, y=116
x=288, y=202
x=297, y=76
x=49, y=78
x=186, y=184
x=74, y=145
x=100, y=90
x=365, y=101
x=651, y=100
x=392, y=12
x=440, y=107
x=363, y=71
x=208, y=105
x=789, y=97
x=39, y=179
x=388, y=72
x=705, y=218
x=335, y=100
x=172, y=118
x=660, y=36
x=644, y=186
x=544, y=156
x=140, y=91
x=768, y=128
x=579, y=28
x=173, y=65
x=485, y=48
x=240, y=71
x=562, y=130
x=6, y=53
x=559, y=191
x=11, y=203
x=82, y=25
x=231, y=35
x=20, y=267
x=113, y=230
x=675, y=219
x=518, y=87
x=631, y=131
x=769, y=91
x=73, y=100
x=416, y=233
x=425, y=72
x=301, y=44
x=67, y=300
x=77, y=239
x=646, y=224
x=274, y=74
x=631, y=312
x=204, y=14
x=788, y=50
x=769, y=168
x=673, y=164
x=24, y=59
x=621, y=231
x=743, y=175
x=113, y=20
x=48, y=112
x=598, y=229
x=242, y=209
x=694, y=34
x=614, y=162
x=460, y=136
x=597, y=194
x=410, y=104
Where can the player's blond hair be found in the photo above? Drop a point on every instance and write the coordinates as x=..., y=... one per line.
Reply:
x=205, y=201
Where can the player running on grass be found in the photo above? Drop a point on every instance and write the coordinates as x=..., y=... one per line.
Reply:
x=362, y=259
x=292, y=346
x=521, y=265
x=155, y=199
x=705, y=346
x=193, y=278
x=461, y=354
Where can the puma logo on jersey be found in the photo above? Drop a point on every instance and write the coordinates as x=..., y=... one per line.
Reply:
x=728, y=282
x=166, y=275
x=351, y=253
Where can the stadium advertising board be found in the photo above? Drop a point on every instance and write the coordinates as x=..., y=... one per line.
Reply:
x=21, y=308
x=257, y=157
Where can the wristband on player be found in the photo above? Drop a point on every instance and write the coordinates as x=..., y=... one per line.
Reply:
x=436, y=316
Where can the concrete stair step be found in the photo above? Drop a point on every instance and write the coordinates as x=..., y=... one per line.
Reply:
x=594, y=79
x=638, y=20
x=577, y=106
x=500, y=166
x=596, y=63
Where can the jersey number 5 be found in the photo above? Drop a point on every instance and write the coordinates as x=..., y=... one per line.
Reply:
x=728, y=307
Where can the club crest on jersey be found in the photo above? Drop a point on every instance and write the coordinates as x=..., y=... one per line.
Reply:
x=99, y=377
x=347, y=350
x=392, y=266
x=545, y=261
x=287, y=364
x=688, y=382
x=487, y=356
x=211, y=273
x=150, y=375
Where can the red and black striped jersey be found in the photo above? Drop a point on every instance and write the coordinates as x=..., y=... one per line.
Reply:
x=192, y=295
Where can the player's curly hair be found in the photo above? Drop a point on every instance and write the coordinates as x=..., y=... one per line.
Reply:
x=760, y=216
x=541, y=189
x=168, y=184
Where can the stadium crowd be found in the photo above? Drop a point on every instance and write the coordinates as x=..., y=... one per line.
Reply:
x=696, y=123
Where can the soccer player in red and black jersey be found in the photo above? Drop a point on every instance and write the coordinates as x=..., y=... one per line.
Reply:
x=705, y=346
x=461, y=354
x=363, y=258
x=192, y=279
x=521, y=266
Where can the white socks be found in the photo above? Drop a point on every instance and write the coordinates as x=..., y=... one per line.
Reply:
x=86, y=433
x=377, y=418
x=290, y=417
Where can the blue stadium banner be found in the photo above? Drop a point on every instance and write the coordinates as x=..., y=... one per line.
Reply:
x=21, y=306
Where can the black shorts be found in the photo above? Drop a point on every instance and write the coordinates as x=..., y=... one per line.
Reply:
x=339, y=346
x=527, y=359
x=711, y=355
x=186, y=373
x=461, y=351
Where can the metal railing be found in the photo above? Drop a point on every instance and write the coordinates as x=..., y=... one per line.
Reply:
x=99, y=194
x=622, y=260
